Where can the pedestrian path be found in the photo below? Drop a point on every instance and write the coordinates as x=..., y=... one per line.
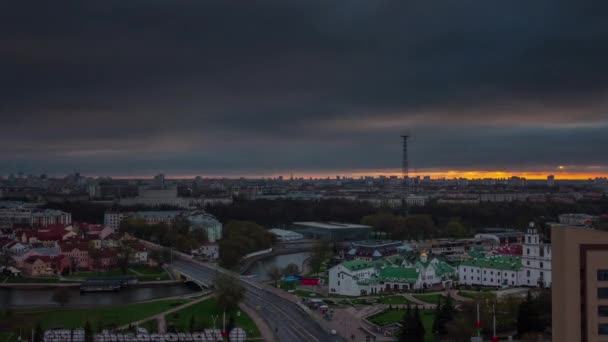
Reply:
x=162, y=326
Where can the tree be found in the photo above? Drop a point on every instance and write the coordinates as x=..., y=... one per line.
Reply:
x=229, y=292
x=445, y=314
x=192, y=324
x=199, y=235
x=417, y=326
x=530, y=315
x=406, y=332
x=38, y=333
x=291, y=269
x=124, y=254
x=315, y=262
x=240, y=238
x=61, y=296
x=456, y=230
x=88, y=332
x=94, y=256
x=275, y=274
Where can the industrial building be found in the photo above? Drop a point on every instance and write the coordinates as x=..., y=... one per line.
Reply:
x=283, y=235
x=332, y=231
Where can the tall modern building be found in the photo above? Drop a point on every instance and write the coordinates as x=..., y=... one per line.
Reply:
x=580, y=284
x=551, y=181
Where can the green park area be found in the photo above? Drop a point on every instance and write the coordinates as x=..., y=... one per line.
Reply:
x=477, y=295
x=394, y=300
x=200, y=316
x=395, y=315
x=429, y=298
x=15, y=320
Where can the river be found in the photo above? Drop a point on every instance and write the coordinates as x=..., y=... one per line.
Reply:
x=261, y=267
x=22, y=297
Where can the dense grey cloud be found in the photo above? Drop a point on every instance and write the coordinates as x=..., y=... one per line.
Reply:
x=188, y=87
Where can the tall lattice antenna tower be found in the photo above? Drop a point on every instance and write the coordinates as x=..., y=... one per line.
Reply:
x=405, y=173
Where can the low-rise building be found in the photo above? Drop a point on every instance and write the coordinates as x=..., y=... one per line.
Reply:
x=391, y=274
x=208, y=250
x=332, y=231
x=496, y=271
x=283, y=235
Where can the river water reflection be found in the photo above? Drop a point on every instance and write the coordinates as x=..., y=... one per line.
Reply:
x=13, y=297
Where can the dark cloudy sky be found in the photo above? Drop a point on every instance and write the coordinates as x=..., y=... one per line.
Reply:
x=268, y=87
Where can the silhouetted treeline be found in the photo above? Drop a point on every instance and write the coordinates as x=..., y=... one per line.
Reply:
x=510, y=215
x=277, y=212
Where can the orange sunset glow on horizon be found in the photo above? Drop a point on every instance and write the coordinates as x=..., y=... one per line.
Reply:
x=561, y=173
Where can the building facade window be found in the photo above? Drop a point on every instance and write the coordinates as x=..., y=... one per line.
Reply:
x=602, y=329
x=602, y=292
x=602, y=275
x=602, y=310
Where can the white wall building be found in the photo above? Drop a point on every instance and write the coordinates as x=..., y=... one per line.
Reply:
x=496, y=271
x=343, y=278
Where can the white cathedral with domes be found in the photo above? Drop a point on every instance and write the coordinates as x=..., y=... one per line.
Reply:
x=536, y=260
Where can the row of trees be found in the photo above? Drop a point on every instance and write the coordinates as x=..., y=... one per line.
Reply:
x=177, y=235
x=413, y=226
x=528, y=317
x=412, y=329
x=278, y=212
x=512, y=214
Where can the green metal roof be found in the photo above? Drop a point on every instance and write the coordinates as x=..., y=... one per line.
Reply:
x=501, y=262
x=399, y=273
x=442, y=268
x=355, y=265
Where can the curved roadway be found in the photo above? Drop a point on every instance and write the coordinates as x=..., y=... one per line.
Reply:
x=289, y=321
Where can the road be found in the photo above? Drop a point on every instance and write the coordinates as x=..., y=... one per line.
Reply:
x=286, y=318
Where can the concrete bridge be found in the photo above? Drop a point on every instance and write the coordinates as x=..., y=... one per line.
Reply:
x=277, y=250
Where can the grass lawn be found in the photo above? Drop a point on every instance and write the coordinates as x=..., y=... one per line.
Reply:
x=476, y=295
x=111, y=316
x=431, y=298
x=394, y=316
x=146, y=273
x=427, y=320
x=362, y=301
x=394, y=300
x=202, y=313
x=145, y=269
x=151, y=326
x=7, y=336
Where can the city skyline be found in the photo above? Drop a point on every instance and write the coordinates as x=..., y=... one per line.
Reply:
x=314, y=88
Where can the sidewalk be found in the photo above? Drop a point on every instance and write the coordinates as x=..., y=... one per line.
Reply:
x=161, y=316
x=263, y=327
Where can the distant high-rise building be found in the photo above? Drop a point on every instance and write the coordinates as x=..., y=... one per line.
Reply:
x=580, y=284
x=551, y=181
x=159, y=180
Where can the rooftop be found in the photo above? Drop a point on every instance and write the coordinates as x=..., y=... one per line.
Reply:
x=399, y=273
x=501, y=262
x=332, y=225
x=354, y=265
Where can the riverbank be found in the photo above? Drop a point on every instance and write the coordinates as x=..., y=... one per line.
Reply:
x=37, y=296
x=145, y=275
x=109, y=317
x=43, y=285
